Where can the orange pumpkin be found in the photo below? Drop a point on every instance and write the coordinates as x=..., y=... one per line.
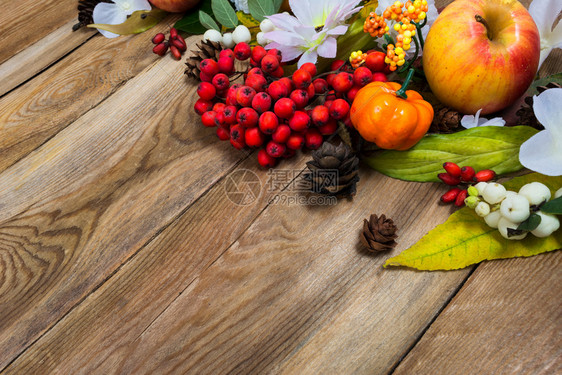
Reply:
x=385, y=118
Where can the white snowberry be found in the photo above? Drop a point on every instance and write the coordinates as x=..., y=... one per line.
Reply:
x=266, y=25
x=241, y=34
x=558, y=193
x=212, y=35
x=261, y=39
x=492, y=218
x=481, y=186
x=535, y=192
x=549, y=224
x=482, y=209
x=515, y=208
x=227, y=40
x=494, y=193
x=504, y=224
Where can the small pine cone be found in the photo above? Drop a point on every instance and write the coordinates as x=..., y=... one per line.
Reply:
x=205, y=50
x=379, y=233
x=446, y=120
x=85, y=11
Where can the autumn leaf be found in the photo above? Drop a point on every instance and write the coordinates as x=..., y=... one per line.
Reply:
x=138, y=22
x=465, y=239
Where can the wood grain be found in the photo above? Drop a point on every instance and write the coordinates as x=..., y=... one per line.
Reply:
x=76, y=208
x=505, y=320
x=40, y=108
x=24, y=22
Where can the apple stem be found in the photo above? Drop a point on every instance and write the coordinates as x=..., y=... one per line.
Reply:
x=481, y=19
x=402, y=92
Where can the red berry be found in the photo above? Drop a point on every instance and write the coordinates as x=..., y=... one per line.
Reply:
x=258, y=52
x=289, y=153
x=268, y=122
x=284, y=108
x=300, y=97
x=352, y=93
x=244, y=96
x=302, y=79
x=254, y=64
x=320, y=115
x=242, y=51
x=362, y=76
x=275, y=149
x=229, y=114
x=223, y=134
x=257, y=82
x=311, y=91
x=375, y=61
x=313, y=139
x=450, y=195
x=201, y=106
x=226, y=53
x=339, y=109
x=254, y=137
x=219, y=107
x=261, y=102
x=331, y=96
x=452, y=168
x=467, y=174
x=219, y=120
x=173, y=33
x=278, y=73
x=208, y=119
x=181, y=46
x=205, y=77
x=328, y=104
x=237, y=133
x=300, y=121
x=275, y=52
x=231, y=94
x=247, y=117
x=257, y=71
x=330, y=79
x=295, y=141
x=206, y=91
x=158, y=38
x=269, y=63
x=265, y=160
x=288, y=83
x=281, y=134
x=226, y=65
x=221, y=82
x=459, y=201
x=277, y=90
x=449, y=179
x=484, y=175
x=320, y=85
x=379, y=77
x=239, y=145
x=343, y=82
x=310, y=68
x=329, y=128
x=160, y=49
x=337, y=64
x=209, y=67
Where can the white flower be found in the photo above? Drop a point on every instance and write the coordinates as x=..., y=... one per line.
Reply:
x=116, y=13
x=241, y=5
x=313, y=30
x=543, y=151
x=431, y=15
x=545, y=12
x=469, y=121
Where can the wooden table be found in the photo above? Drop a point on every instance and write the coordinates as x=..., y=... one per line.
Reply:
x=121, y=250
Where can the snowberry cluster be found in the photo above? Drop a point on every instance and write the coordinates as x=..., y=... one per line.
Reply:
x=276, y=114
x=506, y=210
x=456, y=175
x=175, y=42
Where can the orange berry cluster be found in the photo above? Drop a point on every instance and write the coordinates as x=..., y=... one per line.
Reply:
x=357, y=58
x=413, y=11
x=375, y=25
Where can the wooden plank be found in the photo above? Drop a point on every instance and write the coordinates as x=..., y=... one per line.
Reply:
x=38, y=56
x=43, y=106
x=24, y=22
x=505, y=320
x=76, y=208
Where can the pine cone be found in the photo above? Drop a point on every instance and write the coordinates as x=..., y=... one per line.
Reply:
x=205, y=50
x=379, y=233
x=334, y=170
x=526, y=115
x=445, y=120
x=85, y=10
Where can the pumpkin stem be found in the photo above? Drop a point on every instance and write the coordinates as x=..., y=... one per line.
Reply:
x=402, y=92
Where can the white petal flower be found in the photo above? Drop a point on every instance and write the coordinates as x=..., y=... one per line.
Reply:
x=545, y=12
x=469, y=121
x=543, y=152
x=312, y=32
x=241, y=5
x=116, y=13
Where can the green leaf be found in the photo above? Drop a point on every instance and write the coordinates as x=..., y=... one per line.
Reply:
x=531, y=223
x=261, y=8
x=486, y=147
x=556, y=78
x=208, y=21
x=553, y=207
x=190, y=22
x=224, y=13
x=465, y=239
x=138, y=22
x=277, y=5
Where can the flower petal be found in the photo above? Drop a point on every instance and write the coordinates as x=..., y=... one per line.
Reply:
x=108, y=13
x=555, y=38
x=548, y=111
x=284, y=21
x=544, y=13
x=469, y=121
x=284, y=37
x=329, y=48
x=540, y=154
x=338, y=30
x=309, y=56
x=303, y=11
x=288, y=52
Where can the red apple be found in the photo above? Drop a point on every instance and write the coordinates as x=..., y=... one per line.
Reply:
x=175, y=6
x=481, y=54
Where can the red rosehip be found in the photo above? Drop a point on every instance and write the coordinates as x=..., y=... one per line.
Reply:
x=158, y=38
x=257, y=82
x=209, y=67
x=320, y=115
x=452, y=168
x=265, y=160
x=295, y=141
x=247, y=117
x=362, y=76
x=337, y=64
x=300, y=121
x=173, y=33
x=300, y=97
x=320, y=85
x=268, y=122
x=339, y=109
x=206, y=91
x=242, y=51
x=459, y=200
x=449, y=179
x=379, y=77
x=208, y=119
x=258, y=53
x=467, y=174
x=221, y=82
x=375, y=61
x=269, y=63
x=201, y=106
x=343, y=82
x=484, y=175
x=179, y=45
x=281, y=134
x=226, y=65
x=310, y=68
x=277, y=90
x=275, y=149
x=275, y=52
x=254, y=137
x=313, y=139
x=244, y=96
x=160, y=49
x=223, y=134
x=329, y=128
x=229, y=114
x=284, y=108
x=261, y=102
x=450, y=195
x=302, y=79
x=226, y=53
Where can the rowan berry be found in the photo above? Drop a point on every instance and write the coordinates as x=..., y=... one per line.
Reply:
x=300, y=97
x=362, y=76
x=206, y=91
x=221, y=82
x=268, y=122
x=296, y=141
x=302, y=79
x=281, y=134
x=242, y=51
x=284, y=108
x=320, y=115
x=247, y=117
x=277, y=90
x=343, y=82
x=300, y=121
x=244, y=96
x=254, y=137
x=201, y=106
x=275, y=149
x=313, y=139
x=261, y=102
x=339, y=109
x=209, y=67
x=265, y=160
x=269, y=64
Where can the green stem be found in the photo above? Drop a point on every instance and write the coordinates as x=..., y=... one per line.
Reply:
x=402, y=92
x=411, y=61
x=389, y=39
x=419, y=27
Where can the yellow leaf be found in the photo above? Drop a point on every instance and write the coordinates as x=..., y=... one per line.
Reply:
x=138, y=22
x=465, y=239
x=367, y=8
x=247, y=20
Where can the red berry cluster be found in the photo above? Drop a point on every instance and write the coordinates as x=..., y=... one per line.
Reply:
x=456, y=175
x=175, y=42
x=278, y=114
